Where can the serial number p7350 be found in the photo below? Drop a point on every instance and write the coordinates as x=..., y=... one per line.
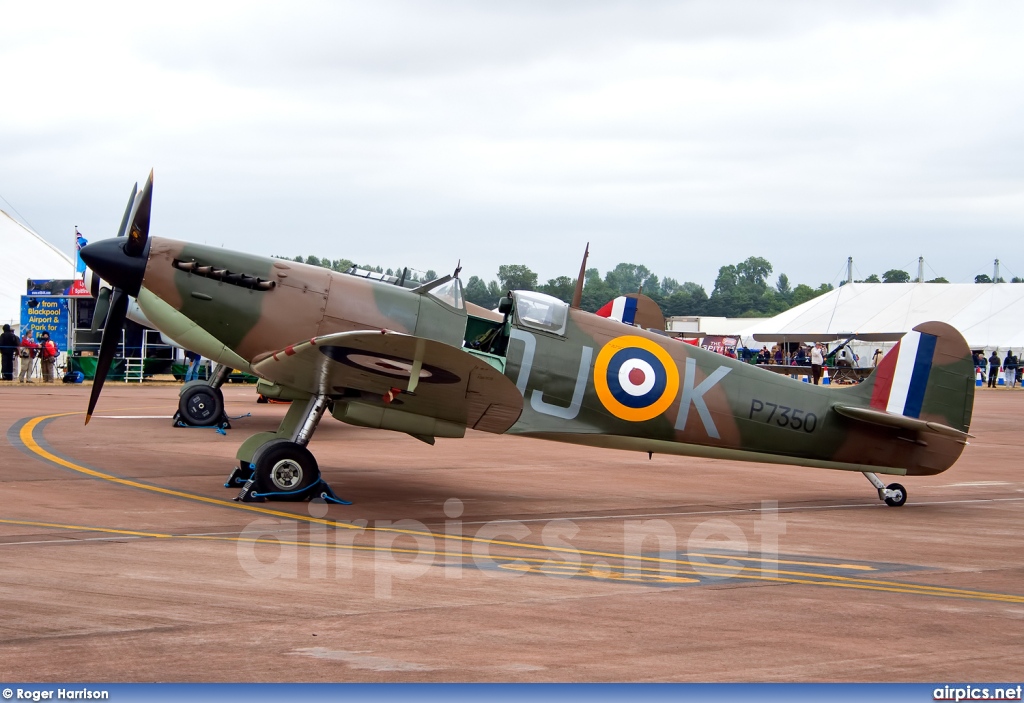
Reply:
x=783, y=416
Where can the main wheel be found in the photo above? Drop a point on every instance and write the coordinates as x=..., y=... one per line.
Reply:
x=201, y=406
x=899, y=499
x=286, y=469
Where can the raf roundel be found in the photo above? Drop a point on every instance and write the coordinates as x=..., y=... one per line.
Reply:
x=635, y=378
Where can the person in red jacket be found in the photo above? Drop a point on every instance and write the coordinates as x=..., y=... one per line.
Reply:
x=27, y=353
x=48, y=353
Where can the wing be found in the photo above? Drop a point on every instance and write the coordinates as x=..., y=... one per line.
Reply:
x=436, y=380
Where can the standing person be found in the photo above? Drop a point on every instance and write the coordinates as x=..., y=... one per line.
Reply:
x=48, y=353
x=1010, y=369
x=29, y=350
x=993, y=369
x=193, y=359
x=877, y=356
x=817, y=359
x=9, y=344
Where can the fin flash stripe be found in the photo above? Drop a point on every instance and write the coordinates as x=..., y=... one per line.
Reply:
x=902, y=377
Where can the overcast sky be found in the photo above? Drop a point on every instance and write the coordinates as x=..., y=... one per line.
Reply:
x=679, y=135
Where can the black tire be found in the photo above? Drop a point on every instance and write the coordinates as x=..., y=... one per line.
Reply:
x=285, y=470
x=201, y=406
x=898, y=500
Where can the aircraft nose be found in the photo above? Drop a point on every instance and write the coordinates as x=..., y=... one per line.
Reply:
x=107, y=258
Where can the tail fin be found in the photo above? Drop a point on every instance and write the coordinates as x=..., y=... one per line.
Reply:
x=634, y=309
x=925, y=384
x=929, y=375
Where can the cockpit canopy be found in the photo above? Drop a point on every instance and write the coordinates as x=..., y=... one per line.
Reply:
x=449, y=293
x=541, y=312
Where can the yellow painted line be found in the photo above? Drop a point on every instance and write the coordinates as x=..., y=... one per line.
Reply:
x=27, y=437
x=824, y=565
x=83, y=528
x=585, y=569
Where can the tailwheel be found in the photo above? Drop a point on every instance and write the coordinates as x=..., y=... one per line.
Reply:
x=895, y=495
x=201, y=406
x=285, y=471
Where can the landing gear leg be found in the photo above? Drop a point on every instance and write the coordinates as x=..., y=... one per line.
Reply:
x=201, y=403
x=894, y=494
x=281, y=466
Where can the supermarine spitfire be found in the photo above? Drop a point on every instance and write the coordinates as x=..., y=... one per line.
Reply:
x=417, y=361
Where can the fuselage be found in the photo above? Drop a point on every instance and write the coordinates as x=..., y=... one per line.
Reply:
x=584, y=379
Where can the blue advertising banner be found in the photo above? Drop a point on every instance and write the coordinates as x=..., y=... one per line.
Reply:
x=75, y=288
x=46, y=314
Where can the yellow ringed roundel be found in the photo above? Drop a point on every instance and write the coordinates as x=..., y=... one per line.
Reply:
x=635, y=378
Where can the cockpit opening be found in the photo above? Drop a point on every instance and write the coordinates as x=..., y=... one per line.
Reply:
x=541, y=312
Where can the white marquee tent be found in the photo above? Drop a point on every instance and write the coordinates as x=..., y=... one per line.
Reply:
x=24, y=255
x=990, y=316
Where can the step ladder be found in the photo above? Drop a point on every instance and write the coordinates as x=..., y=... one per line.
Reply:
x=133, y=370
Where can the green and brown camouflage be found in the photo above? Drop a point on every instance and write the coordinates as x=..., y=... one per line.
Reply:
x=701, y=403
x=421, y=361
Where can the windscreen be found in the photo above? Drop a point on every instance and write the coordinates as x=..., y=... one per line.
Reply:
x=541, y=312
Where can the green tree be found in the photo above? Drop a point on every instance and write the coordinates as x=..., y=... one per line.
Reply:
x=430, y=275
x=1017, y=279
x=782, y=287
x=476, y=292
x=754, y=272
x=517, y=277
x=803, y=292
x=562, y=288
x=873, y=278
x=742, y=290
x=687, y=299
x=312, y=260
x=669, y=286
x=495, y=291
x=627, y=278
x=895, y=276
x=595, y=291
x=982, y=278
x=940, y=279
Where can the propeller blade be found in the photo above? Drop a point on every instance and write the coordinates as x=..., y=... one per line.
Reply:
x=127, y=211
x=99, y=313
x=108, y=345
x=138, y=230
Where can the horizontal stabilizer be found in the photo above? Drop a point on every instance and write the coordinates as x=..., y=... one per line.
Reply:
x=886, y=419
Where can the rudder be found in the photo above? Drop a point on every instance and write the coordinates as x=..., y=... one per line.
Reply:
x=928, y=375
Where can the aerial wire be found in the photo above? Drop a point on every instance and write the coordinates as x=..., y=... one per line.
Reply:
x=23, y=218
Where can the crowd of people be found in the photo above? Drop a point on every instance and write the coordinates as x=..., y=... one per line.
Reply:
x=30, y=354
x=1009, y=367
x=813, y=355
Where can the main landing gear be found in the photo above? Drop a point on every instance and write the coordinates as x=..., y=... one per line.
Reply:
x=894, y=494
x=278, y=465
x=201, y=404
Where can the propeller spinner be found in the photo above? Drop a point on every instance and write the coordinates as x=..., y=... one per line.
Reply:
x=121, y=261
